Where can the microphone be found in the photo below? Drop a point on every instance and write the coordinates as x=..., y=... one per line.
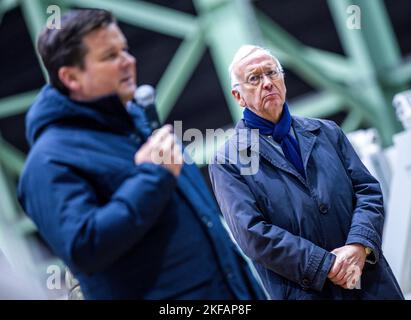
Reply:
x=145, y=96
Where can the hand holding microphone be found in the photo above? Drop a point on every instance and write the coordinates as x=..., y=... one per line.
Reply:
x=161, y=147
x=145, y=97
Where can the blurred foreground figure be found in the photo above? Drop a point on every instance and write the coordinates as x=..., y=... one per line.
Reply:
x=308, y=213
x=127, y=227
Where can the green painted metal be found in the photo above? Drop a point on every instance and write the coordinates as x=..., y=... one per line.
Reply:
x=7, y=203
x=282, y=42
x=399, y=75
x=34, y=12
x=6, y=5
x=224, y=25
x=317, y=105
x=145, y=15
x=375, y=52
x=354, y=89
x=178, y=72
x=225, y=32
x=249, y=19
x=15, y=246
x=352, y=121
x=224, y=20
x=12, y=158
x=336, y=66
x=16, y=104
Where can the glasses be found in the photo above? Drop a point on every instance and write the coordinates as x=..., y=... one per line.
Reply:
x=255, y=79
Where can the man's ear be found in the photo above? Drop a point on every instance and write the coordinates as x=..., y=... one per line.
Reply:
x=237, y=96
x=70, y=77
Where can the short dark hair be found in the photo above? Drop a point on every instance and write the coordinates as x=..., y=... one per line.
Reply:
x=64, y=46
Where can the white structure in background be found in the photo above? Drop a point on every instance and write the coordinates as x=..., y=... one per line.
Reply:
x=397, y=230
x=392, y=168
x=402, y=104
x=367, y=144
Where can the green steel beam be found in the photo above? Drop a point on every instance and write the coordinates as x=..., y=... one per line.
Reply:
x=225, y=30
x=352, y=121
x=399, y=75
x=317, y=105
x=35, y=15
x=350, y=38
x=336, y=66
x=373, y=42
x=249, y=18
x=7, y=203
x=6, y=5
x=145, y=15
x=178, y=73
x=12, y=158
x=374, y=49
x=280, y=40
x=354, y=91
x=16, y=104
x=295, y=54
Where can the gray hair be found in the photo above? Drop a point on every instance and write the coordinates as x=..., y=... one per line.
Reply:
x=244, y=51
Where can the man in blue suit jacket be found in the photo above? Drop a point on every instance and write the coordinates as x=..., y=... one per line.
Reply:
x=128, y=228
x=307, y=212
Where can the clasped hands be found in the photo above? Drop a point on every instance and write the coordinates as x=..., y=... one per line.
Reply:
x=348, y=265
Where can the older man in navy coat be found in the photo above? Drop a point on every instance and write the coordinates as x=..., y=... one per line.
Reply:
x=307, y=212
x=127, y=226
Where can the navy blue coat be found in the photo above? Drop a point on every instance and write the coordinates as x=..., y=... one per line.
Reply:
x=288, y=225
x=126, y=231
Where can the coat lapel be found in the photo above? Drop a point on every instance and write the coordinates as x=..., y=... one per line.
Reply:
x=265, y=150
x=268, y=152
x=306, y=139
x=306, y=136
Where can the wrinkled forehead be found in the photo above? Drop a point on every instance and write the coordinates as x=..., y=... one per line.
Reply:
x=254, y=61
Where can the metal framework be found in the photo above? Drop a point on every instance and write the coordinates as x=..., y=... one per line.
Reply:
x=361, y=83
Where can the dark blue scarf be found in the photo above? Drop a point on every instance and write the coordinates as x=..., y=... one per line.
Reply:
x=280, y=132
